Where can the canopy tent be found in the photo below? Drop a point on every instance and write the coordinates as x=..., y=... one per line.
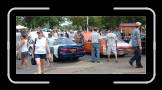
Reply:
x=20, y=27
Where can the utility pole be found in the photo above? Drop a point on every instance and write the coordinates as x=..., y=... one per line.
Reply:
x=87, y=23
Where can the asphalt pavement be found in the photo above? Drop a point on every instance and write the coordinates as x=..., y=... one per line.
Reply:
x=85, y=66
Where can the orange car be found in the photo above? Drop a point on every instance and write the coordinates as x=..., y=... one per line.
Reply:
x=123, y=48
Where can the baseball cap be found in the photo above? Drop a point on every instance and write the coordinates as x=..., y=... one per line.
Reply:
x=39, y=31
x=138, y=23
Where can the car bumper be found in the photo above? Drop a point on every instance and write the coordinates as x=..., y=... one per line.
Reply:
x=124, y=51
x=70, y=55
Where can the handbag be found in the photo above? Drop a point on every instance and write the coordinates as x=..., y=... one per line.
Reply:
x=33, y=62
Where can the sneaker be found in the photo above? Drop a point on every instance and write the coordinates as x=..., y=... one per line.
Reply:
x=108, y=60
x=139, y=66
x=92, y=61
x=130, y=63
x=116, y=61
x=98, y=61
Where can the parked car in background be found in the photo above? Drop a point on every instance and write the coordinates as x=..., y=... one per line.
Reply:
x=123, y=48
x=65, y=48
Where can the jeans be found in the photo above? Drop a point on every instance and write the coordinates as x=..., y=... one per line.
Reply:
x=137, y=56
x=95, y=52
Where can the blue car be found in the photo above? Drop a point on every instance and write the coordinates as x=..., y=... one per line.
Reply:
x=65, y=48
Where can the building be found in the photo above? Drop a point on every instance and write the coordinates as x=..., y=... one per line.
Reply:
x=127, y=28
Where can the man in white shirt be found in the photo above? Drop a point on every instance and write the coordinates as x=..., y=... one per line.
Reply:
x=111, y=44
x=95, y=53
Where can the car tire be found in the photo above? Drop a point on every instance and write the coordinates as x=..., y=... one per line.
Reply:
x=76, y=58
x=122, y=55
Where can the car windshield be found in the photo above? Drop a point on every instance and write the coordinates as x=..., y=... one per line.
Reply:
x=63, y=41
x=118, y=40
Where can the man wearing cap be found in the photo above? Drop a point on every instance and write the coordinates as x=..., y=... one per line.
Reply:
x=136, y=44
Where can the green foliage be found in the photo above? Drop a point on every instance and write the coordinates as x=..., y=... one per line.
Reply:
x=77, y=21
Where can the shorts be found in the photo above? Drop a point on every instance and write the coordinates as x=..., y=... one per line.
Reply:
x=111, y=49
x=24, y=54
x=41, y=56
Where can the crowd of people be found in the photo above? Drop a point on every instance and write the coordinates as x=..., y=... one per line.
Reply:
x=112, y=45
x=43, y=46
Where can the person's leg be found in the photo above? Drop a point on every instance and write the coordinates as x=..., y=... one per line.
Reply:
x=26, y=62
x=116, y=57
x=134, y=57
x=98, y=52
x=52, y=52
x=26, y=59
x=42, y=65
x=95, y=50
x=21, y=61
x=92, y=52
x=20, y=65
x=138, y=60
x=51, y=58
x=114, y=50
x=42, y=60
x=38, y=63
x=108, y=52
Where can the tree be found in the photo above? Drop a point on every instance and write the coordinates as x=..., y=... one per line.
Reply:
x=40, y=21
x=19, y=20
x=78, y=21
x=95, y=21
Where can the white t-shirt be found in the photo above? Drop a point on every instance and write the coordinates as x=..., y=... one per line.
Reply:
x=40, y=47
x=111, y=38
x=95, y=37
x=24, y=48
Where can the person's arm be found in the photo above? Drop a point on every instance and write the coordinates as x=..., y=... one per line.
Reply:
x=99, y=36
x=82, y=37
x=139, y=40
x=106, y=41
x=21, y=44
x=47, y=47
x=75, y=37
x=116, y=39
